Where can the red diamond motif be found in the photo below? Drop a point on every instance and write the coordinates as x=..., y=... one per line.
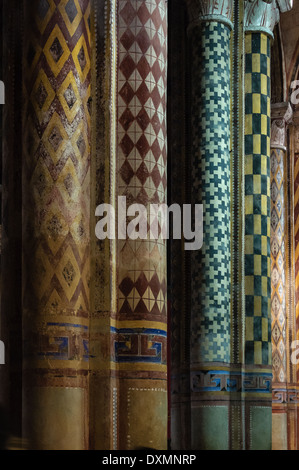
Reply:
x=157, y=45
x=143, y=13
x=127, y=145
x=156, y=17
x=156, y=71
x=126, y=286
x=143, y=93
x=155, y=95
x=155, y=310
x=141, y=307
x=126, y=119
x=141, y=284
x=156, y=177
x=143, y=119
x=143, y=146
x=127, y=93
x=156, y=150
x=142, y=197
x=128, y=13
x=142, y=173
x=143, y=40
x=156, y=123
x=127, y=66
x=156, y=198
x=143, y=68
x=126, y=172
x=127, y=39
x=126, y=308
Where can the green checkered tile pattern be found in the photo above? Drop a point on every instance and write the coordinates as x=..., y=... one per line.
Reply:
x=257, y=200
x=210, y=267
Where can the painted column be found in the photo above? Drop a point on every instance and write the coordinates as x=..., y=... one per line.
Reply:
x=139, y=333
x=129, y=324
x=260, y=19
x=283, y=317
x=294, y=156
x=103, y=414
x=56, y=162
x=209, y=33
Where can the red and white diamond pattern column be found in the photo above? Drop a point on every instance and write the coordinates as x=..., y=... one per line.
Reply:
x=140, y=355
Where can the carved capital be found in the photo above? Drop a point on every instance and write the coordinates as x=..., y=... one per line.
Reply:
x=263, y=15
x=281, y=118
x=285, y=5
x=210, y=10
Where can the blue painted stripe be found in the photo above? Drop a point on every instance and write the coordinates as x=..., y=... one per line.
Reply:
x=232, y=373
x=138, y=331
x=68, y=325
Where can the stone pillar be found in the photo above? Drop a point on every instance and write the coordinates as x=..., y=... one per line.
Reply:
x=129, y=328
x=139, y=332
x=260, y=19
x=283, y=317
x=209, y=34
x=56, y=199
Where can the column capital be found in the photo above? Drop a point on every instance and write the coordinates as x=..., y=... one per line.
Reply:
x=263, y=15
x=281, y=116
x=210, y=10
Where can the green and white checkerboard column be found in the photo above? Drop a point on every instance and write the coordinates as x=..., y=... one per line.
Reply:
x=210, y=342
x=210, y=331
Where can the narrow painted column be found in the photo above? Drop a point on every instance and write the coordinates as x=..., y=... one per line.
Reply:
x=209, y=33
x=260, y=18
x=56, y=199
x=128, y=337
x=139, y=328
x=258, y=357
x=294, y=154
x=283, y=315
x=103, y=414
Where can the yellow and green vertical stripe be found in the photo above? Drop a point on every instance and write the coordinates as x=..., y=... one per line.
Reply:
x=257, y=200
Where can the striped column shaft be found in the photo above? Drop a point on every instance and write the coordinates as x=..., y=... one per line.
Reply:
x=257, y=238
x=294, y=151
x=139, y=329
x=210, y=266
x=296, y=231
x=56, y=174
x=102, y=399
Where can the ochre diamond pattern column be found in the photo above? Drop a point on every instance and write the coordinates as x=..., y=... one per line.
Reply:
x=56, y=161
x=139, y=350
